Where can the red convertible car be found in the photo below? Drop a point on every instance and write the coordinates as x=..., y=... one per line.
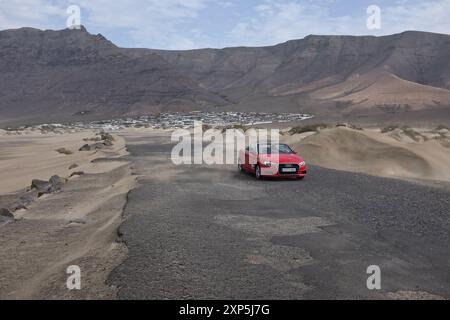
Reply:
x=275, y=161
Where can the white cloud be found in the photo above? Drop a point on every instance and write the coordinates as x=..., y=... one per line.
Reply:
x=226, y=4
x=162, y=23
x=281, y=20
x=277, y=21
x=180, y=24
x=30, y=13
x=432, y=16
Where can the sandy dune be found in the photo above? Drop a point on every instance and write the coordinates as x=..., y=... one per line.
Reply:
x=382, y=88
x=305, y=88
x=369, y=151
x=34, y=156
x=77, y=226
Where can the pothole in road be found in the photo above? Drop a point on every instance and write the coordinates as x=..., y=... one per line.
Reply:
x=269, y=227
x=281, y=258
x=413, y=295
x=262, y=229
x=226, y=194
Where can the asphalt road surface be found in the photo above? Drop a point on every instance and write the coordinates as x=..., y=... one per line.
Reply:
x=199, y=232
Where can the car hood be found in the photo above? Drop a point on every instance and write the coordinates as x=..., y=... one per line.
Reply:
x=282, y=158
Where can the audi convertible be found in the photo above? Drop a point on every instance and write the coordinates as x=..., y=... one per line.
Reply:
x=272, y=161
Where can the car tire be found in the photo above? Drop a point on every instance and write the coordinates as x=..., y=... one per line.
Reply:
x=258, y=172
x=240, y=168
x=301, y=178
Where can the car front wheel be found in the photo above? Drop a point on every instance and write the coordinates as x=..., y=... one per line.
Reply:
x=258, y=172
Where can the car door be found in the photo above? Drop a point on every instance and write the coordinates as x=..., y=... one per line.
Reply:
x=243, y=158
x=251, y=157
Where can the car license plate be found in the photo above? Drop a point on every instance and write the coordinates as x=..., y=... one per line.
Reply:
x=289, y=170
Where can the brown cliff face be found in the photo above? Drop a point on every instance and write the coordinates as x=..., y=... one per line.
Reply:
x=415, y=56
x=64, y=73
x=71, y=72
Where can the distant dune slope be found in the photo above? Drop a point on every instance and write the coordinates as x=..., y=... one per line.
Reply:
x=384, y=90
x=375, y=154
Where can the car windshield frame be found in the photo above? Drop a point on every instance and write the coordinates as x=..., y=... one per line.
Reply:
x=287, y=150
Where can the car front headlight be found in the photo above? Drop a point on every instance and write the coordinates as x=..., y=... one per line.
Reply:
x=268, y=163
x=302, y=164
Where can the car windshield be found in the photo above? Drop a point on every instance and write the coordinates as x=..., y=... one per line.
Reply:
x=275, y=149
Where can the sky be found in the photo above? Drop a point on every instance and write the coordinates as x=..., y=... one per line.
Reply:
x=191, y=24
